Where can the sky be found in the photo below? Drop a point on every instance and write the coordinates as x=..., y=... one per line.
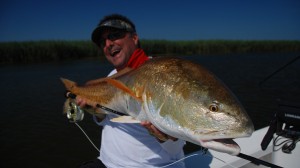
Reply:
x=34, y=20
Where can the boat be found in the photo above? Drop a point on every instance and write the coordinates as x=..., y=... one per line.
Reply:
x=250, y=146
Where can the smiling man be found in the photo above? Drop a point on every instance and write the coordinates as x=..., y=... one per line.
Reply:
x=129, y=145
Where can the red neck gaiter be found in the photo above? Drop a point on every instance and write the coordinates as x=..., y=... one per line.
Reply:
x=137, y=59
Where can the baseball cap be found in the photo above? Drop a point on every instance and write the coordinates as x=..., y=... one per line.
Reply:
x=114, y=21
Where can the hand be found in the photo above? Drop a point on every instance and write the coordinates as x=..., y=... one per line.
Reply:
x=156, y=132
x=81, y=102
x=90, y=108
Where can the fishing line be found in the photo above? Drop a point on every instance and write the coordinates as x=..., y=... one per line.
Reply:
x=204, y=153
x=87, y=136
x=179, y=160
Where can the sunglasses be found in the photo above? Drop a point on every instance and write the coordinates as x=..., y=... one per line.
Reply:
x=112, y=36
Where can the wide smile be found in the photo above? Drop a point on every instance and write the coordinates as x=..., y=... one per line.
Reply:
x=113, y=53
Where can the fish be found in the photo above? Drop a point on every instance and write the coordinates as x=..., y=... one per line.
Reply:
x=181, y=98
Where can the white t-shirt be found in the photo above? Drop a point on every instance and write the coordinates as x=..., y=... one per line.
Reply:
x=131, y=145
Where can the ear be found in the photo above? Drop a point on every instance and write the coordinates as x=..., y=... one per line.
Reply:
x=135, y=38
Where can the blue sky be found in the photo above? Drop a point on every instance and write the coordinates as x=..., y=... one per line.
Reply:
x=31, y=20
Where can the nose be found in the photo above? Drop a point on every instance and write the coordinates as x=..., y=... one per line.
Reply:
x=108, y=42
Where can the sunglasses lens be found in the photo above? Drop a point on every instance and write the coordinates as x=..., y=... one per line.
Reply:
x=116, y=35
x=113, y=36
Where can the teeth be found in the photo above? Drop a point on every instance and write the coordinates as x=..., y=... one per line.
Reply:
x=113, y=53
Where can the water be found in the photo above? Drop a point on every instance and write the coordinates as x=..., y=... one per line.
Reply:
x=34, y=133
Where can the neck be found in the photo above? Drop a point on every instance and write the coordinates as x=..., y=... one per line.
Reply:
x=137, y=59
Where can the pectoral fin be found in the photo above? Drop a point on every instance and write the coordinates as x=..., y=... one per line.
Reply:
x=123, y=87
x=125, y=119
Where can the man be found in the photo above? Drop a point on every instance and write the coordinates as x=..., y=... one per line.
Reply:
x=129, y=145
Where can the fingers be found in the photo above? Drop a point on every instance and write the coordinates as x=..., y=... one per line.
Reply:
x=156, y=132
x=81, y=102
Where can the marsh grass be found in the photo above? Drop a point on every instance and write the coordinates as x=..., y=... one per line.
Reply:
x=46, y=51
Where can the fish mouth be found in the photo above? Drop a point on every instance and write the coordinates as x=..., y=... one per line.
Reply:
x=222, y=145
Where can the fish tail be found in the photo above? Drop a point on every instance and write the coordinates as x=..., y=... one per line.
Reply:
x=68, y=84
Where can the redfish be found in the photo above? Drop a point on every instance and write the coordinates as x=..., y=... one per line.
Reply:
x=181, y=98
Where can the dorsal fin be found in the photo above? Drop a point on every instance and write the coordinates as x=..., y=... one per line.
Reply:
x=120, y=73
x=123, y=87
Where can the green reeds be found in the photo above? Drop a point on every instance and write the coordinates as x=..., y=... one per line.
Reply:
x=212, y=47
x=45, y=51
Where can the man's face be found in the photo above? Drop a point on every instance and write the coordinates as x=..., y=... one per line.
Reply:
x=118, y=46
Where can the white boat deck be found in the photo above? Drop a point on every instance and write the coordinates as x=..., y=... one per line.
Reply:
x=249, y=146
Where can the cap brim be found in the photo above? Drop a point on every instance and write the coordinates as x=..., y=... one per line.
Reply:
x=96, y=35
x=110, y=24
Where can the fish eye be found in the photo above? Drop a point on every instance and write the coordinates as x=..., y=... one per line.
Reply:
x=214, y=108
